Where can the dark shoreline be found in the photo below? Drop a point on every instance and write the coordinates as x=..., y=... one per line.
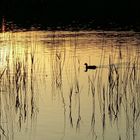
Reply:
x=118, y=15
x=71, y=25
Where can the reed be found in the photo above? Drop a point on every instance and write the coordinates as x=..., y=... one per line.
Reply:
x=113, y=90
x=70, y=106
x=18, y=99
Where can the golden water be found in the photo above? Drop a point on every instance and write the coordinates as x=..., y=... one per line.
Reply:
x=46, y=94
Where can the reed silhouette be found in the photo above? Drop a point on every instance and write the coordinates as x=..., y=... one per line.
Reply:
x=110, y=94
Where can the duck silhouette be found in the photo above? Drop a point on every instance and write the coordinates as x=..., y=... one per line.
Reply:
x=93, y=67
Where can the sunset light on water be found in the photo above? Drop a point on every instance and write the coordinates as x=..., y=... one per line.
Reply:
x=45, y=92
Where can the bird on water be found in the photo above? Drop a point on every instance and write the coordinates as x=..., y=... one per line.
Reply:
x=93, y=67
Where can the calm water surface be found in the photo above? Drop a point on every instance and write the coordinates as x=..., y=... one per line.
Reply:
x=46, y=94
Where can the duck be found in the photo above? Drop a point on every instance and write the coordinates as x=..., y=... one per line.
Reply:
x=93, y=67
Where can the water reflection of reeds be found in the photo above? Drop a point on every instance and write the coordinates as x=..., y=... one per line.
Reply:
x=18, y=100
x=112, y=89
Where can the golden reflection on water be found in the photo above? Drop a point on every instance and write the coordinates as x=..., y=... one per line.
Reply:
x=45, y=92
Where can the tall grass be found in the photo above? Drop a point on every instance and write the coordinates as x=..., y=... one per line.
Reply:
x=112, y=90
x=18, y=100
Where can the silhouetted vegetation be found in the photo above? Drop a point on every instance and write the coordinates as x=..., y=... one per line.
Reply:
x=52, y=64
x=72, y=15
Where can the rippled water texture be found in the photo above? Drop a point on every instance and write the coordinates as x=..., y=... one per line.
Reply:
x=46, y=94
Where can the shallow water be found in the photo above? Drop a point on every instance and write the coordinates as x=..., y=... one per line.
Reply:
x=45, y=92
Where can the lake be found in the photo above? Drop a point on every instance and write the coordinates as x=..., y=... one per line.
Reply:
x=47, y=94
